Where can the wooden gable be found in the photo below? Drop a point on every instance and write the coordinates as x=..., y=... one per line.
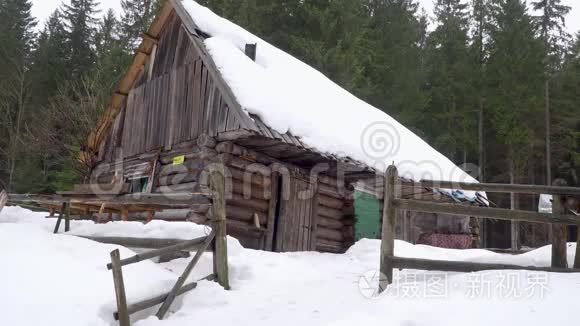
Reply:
x=177, y=96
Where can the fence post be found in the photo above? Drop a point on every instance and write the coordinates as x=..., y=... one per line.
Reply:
x=123, y=313
x=60, y=214
x=559, y=234
x=388, y=229
x=220, y=248
x=67, y=218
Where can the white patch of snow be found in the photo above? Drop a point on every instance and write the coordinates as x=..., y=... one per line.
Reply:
x=59, y=279
x=290, y=96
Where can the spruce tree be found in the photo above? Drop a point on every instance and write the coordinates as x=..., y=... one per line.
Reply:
x=16, y=42
x=449, y=78
x=514, y=80
x=551, y=25
x=395, y=65
x=135, y=20
x=80, y=21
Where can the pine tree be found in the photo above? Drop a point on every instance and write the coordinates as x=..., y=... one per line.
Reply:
x=551, y=24
x=80, y=21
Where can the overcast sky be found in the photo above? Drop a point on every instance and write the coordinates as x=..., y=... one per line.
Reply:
x=42, y=9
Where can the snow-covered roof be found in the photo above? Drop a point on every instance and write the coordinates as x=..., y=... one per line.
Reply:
x=292, y=97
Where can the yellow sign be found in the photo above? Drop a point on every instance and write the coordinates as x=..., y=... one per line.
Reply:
x=178, y=160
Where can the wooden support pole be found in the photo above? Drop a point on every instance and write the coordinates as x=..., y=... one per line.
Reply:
x=67, y=218
x=181, y=280
x=559, y=234
x=60, y=214
x=122, y=311
x=220, y=248
x=388, y=229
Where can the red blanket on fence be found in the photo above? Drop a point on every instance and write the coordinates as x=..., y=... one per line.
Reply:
x=450, y=241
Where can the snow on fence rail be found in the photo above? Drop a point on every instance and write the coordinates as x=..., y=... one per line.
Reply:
x=558, y=219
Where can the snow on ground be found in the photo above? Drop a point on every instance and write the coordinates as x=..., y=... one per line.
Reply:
x=289, y=95
x=60, y=279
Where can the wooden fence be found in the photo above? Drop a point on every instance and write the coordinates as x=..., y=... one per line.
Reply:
x=216, y=240
x=558, y=220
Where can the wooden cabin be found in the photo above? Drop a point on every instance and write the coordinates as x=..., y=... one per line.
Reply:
x=173, y=115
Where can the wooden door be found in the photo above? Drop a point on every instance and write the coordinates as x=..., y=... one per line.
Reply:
x=296, y=222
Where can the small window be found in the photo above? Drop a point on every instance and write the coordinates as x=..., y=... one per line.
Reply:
x=139, y=185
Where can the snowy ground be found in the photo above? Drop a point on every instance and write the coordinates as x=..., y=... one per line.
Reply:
x=49, y=279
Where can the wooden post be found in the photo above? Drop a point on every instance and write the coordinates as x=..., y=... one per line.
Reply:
x=122, y=311
x=220, y=248
x=559, y=234
x=60, y=214
x=124, y=214
x=67, y=218
x=388, y=229
x=272, y=205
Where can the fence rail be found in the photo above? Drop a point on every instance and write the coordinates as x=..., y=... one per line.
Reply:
x=558, y=220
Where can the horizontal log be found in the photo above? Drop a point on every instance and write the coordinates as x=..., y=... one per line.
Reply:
x=485, y=212
x=249, y=190
x=330, y=202
x=497, y=187
x=244, y=165
x=330, y=213
x=244, y=229
x=162, y=251
x=187, y=166
x=329, y=223
x=202, y=154
x=253, y=178
x=329, y=246
x=184, y=187
x=244, y=214
x=466, y=267
x=206, y=141
x=333, y=191
x=260, y=205
x=237, y=150
x=179, y=178
x=329, y=234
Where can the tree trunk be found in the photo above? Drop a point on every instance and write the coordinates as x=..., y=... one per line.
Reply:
x=514, y=224
x=547, y=127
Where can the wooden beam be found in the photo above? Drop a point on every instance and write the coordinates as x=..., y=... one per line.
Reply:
x=485, y=212
x=466, y=267
x=496, y=187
